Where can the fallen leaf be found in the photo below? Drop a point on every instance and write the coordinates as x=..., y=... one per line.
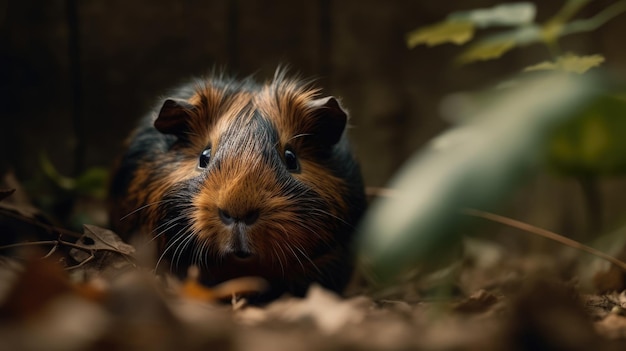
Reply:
x=613, y=279
x=612, y=327
x=25, y=212
x=329, y=312
x=193, y=289
x=99, y=253
x=4, y=193
x=67, y=323
x=549, y=316
x=41, y=281
x=19, y=196
x=479, y=301
x=103, y=239
x=599, y=306
x=96, y=239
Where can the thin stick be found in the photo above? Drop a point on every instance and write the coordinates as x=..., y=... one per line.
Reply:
x=546, y=234
x=49, y=228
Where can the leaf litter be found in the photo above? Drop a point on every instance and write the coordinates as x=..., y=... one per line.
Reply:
x=92, y=291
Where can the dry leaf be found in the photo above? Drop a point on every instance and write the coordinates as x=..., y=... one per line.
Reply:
x=103, y=239
x=612, y=327
x=41, y=281
x=329, y=312
x=480, y=301
x=193, y=289
x=96, y=239
x=4, y=193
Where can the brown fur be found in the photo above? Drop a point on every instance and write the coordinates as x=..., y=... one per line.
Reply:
x=293, y=241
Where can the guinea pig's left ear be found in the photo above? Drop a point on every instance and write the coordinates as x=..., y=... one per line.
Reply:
x=174, y=117
x=330, y=118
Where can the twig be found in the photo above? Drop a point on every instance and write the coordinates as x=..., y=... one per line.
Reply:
x=596, y=21
x=56, y=244
x=83, y=262
x=546, y=234
x=49, y=228
x=30, y=243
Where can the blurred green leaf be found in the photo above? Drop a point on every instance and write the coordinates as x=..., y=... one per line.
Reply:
x=459, y=27
x=486, y=51
x=457, y=32
x=511, y=14
x=471, y=166
x=569, y=63
x=494, y=46
x=593, y=23
x=51, y=172
x=553, y=29
x=592, y=143
x=93, y=182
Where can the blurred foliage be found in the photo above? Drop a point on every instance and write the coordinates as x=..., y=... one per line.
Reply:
x=552, y=111
x=568, y=63
x=517, y=25
x=92, y=182
x=474, y=165
x=592, y=142
x=71, y=201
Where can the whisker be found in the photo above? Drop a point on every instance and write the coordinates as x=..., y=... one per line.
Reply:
x=284, y=256
x=144, y=207
x=309, y=259
x=169, y=225
x=351, y=226
x=297, y=258
x=178, y=253
x=280, y=262
x=169, y=246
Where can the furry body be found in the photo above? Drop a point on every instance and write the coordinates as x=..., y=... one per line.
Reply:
x=244, y=179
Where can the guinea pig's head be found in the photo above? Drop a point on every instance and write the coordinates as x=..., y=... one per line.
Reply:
x=265, y=183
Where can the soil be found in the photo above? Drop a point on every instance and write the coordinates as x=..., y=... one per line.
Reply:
x=63, y=290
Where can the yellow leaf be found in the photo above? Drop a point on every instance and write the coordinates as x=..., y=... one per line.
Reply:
x=457, y=32
x=486, y=51
x=579, y=64
x=543, y=66
x=569, y=63
x=551, y=31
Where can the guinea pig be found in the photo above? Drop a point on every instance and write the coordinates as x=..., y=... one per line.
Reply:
x=241, y=178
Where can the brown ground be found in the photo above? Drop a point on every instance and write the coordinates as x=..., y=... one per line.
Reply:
x=90, y=292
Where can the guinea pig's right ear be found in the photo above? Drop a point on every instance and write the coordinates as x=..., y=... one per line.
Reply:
x=174, y=117
x=331, y=120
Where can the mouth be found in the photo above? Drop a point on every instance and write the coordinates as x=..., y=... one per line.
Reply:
x=242, y=255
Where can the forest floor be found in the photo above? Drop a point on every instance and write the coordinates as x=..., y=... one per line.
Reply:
x=89, y=291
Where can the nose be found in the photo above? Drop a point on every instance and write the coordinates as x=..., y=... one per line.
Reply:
x=246, y=217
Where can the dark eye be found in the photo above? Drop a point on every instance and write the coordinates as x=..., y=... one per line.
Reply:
x=291, y=161
x=205, y=157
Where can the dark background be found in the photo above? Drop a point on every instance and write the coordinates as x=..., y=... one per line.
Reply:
x=76, y=75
